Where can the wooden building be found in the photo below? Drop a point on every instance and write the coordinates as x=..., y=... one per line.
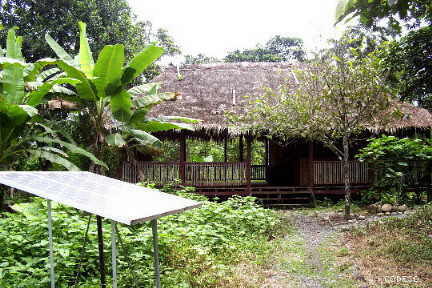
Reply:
x=208, y=92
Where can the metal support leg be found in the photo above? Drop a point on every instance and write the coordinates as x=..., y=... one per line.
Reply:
x=114, y=254
x=156, y=254
x=50, y=241
x=101, y=252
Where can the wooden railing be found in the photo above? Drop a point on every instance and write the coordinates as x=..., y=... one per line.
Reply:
x=211, y=174
x=188, y=173
x=258, y=172
x=332, y=173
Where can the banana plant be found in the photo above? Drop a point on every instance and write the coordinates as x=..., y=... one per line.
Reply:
x=119, y=113
x=21, y=90
x=22, y=135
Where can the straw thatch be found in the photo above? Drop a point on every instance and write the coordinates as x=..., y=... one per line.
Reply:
x=208, y=91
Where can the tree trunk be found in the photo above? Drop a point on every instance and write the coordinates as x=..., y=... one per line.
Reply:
x=346, y=177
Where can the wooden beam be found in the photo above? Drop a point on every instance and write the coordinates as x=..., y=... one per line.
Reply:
x=225, y=149
x=266, y=149
x=249, y=163
x=311, y=172
x=183, y=151
x=183, y=158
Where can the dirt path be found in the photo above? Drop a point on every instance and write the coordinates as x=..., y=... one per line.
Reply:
x=314, y=233
x=313, y=255
x=308, y=256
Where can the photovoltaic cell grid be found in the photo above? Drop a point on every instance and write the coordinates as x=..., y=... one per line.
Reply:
x=107, y=197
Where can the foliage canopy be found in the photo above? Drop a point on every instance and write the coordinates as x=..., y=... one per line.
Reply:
x=408, y=64
x=109, y=22
x=396, y=12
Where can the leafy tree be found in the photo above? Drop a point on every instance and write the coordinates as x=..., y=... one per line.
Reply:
x=21, y=133
x=396, y=12
x=109, y=22
x=277, y=49
x=335, y=99
x=408, y=62
x=200, y=59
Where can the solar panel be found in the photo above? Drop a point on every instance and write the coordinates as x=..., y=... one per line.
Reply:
x=107, y=197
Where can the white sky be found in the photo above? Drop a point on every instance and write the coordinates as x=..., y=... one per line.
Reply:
x=217, y=27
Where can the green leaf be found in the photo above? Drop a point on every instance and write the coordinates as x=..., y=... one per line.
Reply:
x=343, y=8
x=49, y=73
x=31, y=111
x=33, y=71
x=18, y=115
x=55, y=150
x=85, y=88
x=150, y=100
x=138, y=116
x=143, y=137
x=143, y=89
x=121, y=105
x=115, y=140
x=35, y=97
x=85, y=55
x=72, y=148
x=109, y=64
x=140, y=62
x=58, y=50
x=54, y=158
x=179, y=119
x=13, y=45
x=156, y=126
x=7, y=60
x=13, y=83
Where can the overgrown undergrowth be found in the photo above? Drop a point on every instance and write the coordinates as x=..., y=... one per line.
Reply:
x=396, y=251
x=198, y=247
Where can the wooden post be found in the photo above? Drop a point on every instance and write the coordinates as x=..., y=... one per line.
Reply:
x=266, y=158
x=183, y=156
x=429, y=186
x=225, y=149
x=241, y=159
x=311, y=173
x=248, y=163
x=225, y=158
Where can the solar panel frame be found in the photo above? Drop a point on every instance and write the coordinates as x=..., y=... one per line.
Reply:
x=110, y=198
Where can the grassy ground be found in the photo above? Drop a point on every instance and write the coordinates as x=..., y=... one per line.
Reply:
x=396, y=252
x=311, y=253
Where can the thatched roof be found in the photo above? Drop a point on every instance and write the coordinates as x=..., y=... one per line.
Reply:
x=208, y=91
x=412, y=117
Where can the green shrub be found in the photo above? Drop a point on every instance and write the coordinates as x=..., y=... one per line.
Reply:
x=197, y=247
x=397, y=164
